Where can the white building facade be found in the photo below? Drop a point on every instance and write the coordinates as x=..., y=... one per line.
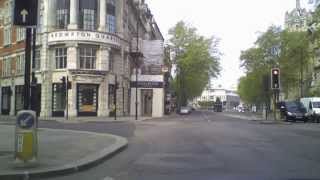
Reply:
x=229, y=98
x=88, y=42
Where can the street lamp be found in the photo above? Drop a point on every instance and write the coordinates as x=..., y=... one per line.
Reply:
x=136, y=55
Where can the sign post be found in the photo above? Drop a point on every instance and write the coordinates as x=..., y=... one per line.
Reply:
x=25, y=15
x=26, y=138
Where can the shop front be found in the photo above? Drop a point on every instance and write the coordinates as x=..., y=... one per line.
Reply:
x=87, y=99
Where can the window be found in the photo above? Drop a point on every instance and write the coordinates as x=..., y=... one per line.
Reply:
x=6, y=67
x=87, y=57
x=88, y=16
x=111, y=62
x=62, y=14
x=19, y=97
x=7, y=36
x=37, y=60
x=21, y=33
x=20, y=64
x=111, y=16
x=61, y=58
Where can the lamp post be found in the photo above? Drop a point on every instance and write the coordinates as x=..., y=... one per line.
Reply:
x=136, y=55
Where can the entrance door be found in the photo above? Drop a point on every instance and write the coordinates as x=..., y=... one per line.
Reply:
x=58, y=99
x=147, y=96
x=87, y=99
x=6, y=100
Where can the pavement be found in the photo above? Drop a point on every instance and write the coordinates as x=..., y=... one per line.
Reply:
x=60, y=152
x=9, y=119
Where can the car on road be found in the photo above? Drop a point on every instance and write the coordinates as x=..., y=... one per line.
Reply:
x=312, y=105
x=185, y=110
x=293, y=111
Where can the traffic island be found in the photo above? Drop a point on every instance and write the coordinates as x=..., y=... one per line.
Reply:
x=60, y=152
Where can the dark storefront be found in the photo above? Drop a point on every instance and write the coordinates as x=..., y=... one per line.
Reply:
x=87, y=99
x=6, y=100
x=19, y=100
x=58, y=99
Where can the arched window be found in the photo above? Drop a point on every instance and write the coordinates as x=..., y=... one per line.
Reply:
x=111, y=16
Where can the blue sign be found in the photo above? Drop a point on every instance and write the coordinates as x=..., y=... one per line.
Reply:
x=25, y=120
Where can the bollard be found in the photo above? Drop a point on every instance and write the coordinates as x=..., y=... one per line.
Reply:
x=26, y=138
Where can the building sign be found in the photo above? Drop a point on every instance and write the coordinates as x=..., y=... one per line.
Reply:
x=87, y=72
x=147, y=84
x=63, y=36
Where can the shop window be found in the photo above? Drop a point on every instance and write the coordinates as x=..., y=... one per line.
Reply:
x=59, y=97
x=6, y=100
x=19, y=98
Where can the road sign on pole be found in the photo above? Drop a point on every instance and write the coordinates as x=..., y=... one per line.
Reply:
x=25, y=12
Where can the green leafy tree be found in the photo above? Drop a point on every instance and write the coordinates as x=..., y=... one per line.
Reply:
x=295, y=63
x=196, y=59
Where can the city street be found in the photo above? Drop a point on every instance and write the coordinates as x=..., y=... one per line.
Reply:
x=205, y=146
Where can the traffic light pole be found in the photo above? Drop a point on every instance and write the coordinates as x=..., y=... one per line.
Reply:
x=67, y=89
x=27, y=70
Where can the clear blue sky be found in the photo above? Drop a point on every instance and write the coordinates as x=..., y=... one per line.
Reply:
x=236, y=23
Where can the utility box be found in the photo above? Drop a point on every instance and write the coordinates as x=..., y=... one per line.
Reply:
x=26, y=141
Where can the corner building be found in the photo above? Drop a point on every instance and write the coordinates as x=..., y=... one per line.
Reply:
x=88, y=42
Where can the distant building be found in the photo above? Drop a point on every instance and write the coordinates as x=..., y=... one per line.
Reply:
x=229, y=98
x=297, y=19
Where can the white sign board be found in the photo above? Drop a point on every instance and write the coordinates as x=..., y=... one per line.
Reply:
x=98, y=37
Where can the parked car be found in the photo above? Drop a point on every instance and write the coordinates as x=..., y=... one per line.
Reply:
x=185, y=110
x=312, y=105
x=293, y=111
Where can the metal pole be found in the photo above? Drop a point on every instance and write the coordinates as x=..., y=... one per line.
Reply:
x=67, y=88
x=137, y=58
x=115, y=97
x=27, y=67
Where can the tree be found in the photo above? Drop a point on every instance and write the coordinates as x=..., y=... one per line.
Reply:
x=295, y=63
x=196, y=59
x=257, y=62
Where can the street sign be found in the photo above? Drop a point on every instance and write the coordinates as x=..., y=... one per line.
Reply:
x=25, y=12
x=25, y=120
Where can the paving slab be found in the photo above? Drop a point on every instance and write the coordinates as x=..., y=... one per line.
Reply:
x=59, y=152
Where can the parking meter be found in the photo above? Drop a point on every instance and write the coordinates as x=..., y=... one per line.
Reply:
x=26, y=137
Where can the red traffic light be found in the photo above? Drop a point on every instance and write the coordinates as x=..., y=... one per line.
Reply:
x=275, y=71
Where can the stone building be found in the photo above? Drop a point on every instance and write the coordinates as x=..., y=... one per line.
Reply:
x=298, y=18
x=90, y=43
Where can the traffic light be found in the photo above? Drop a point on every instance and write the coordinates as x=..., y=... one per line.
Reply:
x=275, y=78
x=63, y=79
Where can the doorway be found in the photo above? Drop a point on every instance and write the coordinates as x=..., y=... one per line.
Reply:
x=146, y=99
x=87, y=99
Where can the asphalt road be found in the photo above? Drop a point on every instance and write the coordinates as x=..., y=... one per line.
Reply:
x=206, y=146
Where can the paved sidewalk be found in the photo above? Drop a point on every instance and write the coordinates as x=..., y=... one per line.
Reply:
x=11, y=119
x=256, y=117
x=60, y=152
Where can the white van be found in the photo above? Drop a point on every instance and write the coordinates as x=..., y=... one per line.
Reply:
x=312, y=105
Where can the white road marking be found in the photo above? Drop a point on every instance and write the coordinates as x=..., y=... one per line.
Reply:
x=108, y=178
